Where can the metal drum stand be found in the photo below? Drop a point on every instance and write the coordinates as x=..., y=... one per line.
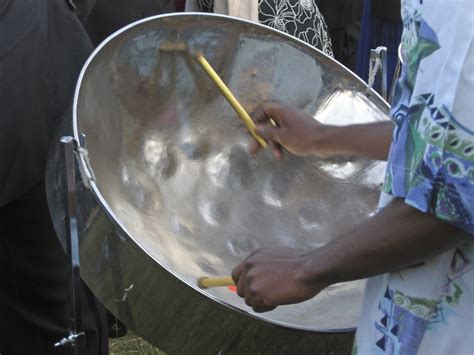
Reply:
x=76, y=336
x=378, y=65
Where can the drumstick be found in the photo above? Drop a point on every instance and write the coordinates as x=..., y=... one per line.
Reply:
x=208, y=282
x=223, y=88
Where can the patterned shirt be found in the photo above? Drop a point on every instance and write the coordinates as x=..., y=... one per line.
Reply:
x=299, y=18
x=429, y=308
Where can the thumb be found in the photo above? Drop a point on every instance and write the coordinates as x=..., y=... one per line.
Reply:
x=269, y=132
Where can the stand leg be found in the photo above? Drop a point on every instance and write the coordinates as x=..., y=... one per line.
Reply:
x=378, y=65
x=76, y=334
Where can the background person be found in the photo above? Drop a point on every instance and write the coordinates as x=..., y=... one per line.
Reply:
x=300, y=19
x=43, y=45
x=343, y=20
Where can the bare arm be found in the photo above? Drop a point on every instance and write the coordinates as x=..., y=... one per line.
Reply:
x=301, y=134
x=397, y=237
x=371, y=140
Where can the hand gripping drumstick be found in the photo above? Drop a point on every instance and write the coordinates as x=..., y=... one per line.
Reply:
x=208, y=282
x=239, y=109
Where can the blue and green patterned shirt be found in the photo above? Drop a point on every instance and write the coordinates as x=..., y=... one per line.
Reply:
x=429, y=309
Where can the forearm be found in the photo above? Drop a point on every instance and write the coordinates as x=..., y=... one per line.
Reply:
x=371, y=140
x=399, y=236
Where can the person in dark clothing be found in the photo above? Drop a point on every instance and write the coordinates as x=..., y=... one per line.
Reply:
x=33, y=298
x=42, y=48
x=343, y=21
x=43, y=45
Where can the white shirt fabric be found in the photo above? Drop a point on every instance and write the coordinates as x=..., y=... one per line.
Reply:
x=428, y=309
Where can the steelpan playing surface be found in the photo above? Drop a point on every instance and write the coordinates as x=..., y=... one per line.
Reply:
x=169, y=154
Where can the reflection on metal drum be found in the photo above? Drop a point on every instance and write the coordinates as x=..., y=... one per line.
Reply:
x=180, y=198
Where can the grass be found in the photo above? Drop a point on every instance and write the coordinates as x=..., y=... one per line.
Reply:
x=132, y=344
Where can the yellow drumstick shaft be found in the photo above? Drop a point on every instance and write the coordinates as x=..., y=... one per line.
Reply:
x=208, y=282
x=230, y=98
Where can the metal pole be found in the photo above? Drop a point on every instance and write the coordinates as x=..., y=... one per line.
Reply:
x=378, y=65
x=76, y=334
x=396, y=75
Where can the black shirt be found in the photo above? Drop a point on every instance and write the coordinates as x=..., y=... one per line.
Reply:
x=40, y=60
x=340, y=13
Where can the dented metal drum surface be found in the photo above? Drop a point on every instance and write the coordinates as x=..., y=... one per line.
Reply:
x=168, y=193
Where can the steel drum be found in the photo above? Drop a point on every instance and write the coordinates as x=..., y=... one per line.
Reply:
x=167, y=192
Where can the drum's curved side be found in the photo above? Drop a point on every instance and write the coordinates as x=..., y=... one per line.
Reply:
x=154, y=303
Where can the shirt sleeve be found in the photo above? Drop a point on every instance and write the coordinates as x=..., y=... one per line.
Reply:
x=431, y=163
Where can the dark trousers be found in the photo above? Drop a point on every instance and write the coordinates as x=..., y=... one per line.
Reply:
x=34, y=311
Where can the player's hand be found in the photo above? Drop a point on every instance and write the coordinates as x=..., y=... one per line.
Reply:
x=290, y=128
x=272, y=277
